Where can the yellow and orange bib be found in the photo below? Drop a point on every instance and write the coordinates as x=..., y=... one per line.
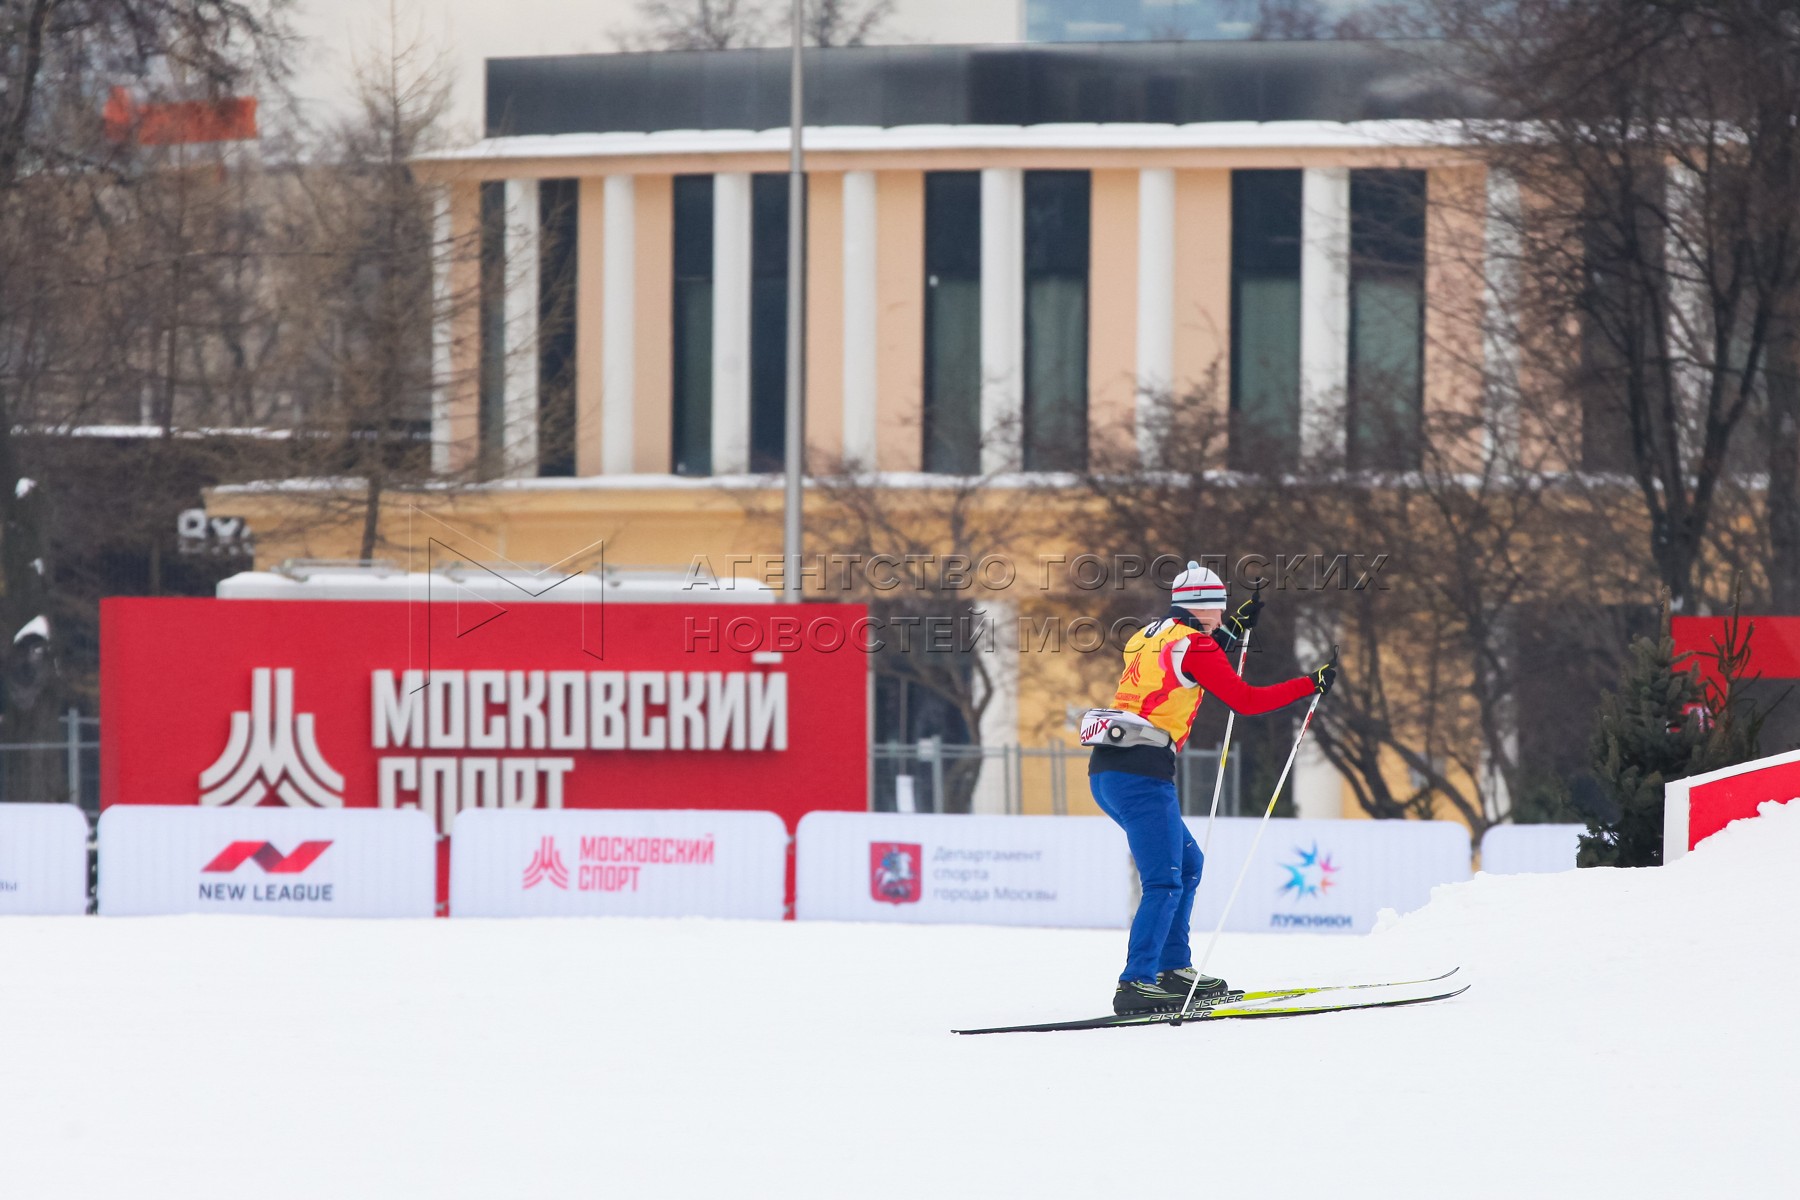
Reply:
x=1152, y=686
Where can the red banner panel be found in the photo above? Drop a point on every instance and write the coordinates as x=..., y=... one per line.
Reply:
x=448, y=705
x=179, y=122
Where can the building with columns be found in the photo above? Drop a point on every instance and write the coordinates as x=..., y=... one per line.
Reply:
x=1008, y=248
x=1018, y=237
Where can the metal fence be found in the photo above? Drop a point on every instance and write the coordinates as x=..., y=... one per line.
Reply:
x=56, y=772
x=924, y=776
x=933, y=776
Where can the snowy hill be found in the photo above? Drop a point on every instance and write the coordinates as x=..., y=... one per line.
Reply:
x=1629, y=1033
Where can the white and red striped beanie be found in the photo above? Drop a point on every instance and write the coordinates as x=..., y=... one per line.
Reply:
x=1197, y=587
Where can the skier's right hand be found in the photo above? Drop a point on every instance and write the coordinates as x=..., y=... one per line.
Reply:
x=1324, y=677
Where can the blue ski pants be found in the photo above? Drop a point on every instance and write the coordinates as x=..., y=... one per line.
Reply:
x=1168, y=863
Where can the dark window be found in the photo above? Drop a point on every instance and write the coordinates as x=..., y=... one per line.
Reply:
x=1265, y=317
x=768, y=321
x=1179, y=82
x=491, y=387
x=1620, y=307
x=1387, y=318
x=693, y=320
x=952, y=421
x=1056, y=321
x=557, y=211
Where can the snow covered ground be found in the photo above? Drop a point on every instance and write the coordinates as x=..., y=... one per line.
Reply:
x=1629, y=1033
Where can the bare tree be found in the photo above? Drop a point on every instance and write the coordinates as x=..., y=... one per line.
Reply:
x=1653, y=253
x=845, y=22
x=1430, y=578
x=695, y=25
x=947, y=632
x=371, y=282
x=70, y=247
x=733, y=24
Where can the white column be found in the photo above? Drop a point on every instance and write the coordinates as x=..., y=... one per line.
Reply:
x=1690, y=317
x=860, y=375
x=1002, y=316
x=1315, y=785
x=731, y=325
x=519, y=455
x=996, y=641
x=442, y=255
x=1324, y=309
x=1499, y=334
x=1155, y=300
x=618, y=330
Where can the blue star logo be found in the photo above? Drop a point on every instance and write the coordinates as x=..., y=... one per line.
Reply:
x=1310, y=875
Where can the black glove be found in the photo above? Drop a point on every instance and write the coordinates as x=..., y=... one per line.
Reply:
x=1324, y=677
x=1232, y=629
x=1243, y=620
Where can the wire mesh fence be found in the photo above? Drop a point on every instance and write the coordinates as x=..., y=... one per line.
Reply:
x=55, y=772
x=930, y=776
x=927, y=776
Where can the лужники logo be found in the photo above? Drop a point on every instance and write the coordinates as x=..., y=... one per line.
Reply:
x=272, y=749
x=896, y=871
x=1310, y=874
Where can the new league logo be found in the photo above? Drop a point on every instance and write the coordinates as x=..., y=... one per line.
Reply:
x=272, y=749
x=896, y=871
x=266, y=856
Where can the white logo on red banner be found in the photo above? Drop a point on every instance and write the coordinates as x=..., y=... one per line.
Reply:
x=618, y=862
x=310, y=862
x=272, y=748
x=319, y=704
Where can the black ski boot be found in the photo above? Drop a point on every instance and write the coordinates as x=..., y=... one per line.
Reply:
x=1136, y=996
x=1182, y=978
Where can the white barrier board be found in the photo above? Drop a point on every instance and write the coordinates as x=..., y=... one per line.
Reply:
x=528, y=862
x=1325, y=876
x=1066, y=871
x=1530, y=849
x=316, y=862
x=43, y=860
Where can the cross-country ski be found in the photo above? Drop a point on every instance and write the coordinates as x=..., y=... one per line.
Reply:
x=1279, y=1002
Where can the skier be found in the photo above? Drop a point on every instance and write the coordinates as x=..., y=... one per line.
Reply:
x=1169, y=665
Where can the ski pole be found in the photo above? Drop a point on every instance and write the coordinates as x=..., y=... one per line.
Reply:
x=1250, y=857
x=1224, y=757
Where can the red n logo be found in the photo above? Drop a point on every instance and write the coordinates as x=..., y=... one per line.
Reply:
x=267, y=857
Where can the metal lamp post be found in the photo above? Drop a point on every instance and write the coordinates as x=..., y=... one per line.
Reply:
x=794, y=449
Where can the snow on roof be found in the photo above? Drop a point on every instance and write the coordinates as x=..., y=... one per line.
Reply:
x=508, y=586
x=1205, y=135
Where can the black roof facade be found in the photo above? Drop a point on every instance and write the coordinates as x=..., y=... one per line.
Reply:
x=1017, y=84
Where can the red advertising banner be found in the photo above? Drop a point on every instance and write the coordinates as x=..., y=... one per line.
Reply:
x=447, y=706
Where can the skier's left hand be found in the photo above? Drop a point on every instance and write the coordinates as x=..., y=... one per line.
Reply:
x=1243, y=619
